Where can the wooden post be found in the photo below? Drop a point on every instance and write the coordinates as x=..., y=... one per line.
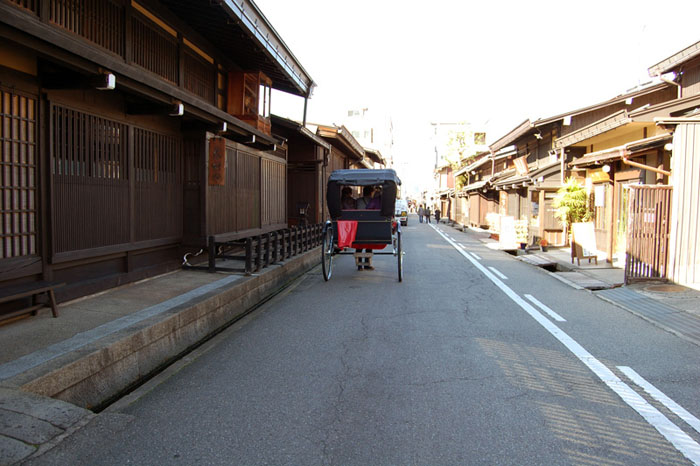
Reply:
x=267, y=249
x=275, y=247
x=212, y=254
x=258, y=252
x=248, y=255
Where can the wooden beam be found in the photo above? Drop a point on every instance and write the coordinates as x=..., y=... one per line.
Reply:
x=56, y=44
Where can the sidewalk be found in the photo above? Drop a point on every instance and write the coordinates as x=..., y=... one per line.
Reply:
x=672, y=307
x=54, y=370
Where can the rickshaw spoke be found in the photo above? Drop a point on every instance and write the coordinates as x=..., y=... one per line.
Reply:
x=327, y=252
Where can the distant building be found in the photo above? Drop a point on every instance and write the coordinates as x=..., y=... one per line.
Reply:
x=373, y=128
x=453, y=144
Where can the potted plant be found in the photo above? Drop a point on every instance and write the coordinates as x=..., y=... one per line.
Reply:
x=544, y=245
x=571, y=203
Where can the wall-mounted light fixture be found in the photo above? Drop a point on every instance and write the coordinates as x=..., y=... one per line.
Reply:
x=606, y=168
x=178, y=109
x=106, y=82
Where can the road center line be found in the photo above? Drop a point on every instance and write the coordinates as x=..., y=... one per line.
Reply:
x=659, y=396
x=679, y=439
x=545, y=308
x=500, y=275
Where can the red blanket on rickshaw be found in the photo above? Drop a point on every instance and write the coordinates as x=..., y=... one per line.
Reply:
x=347, y=229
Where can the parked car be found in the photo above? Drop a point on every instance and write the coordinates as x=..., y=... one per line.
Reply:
x=401, y=211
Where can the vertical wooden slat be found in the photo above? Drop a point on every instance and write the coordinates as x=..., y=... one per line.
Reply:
x=648, y=232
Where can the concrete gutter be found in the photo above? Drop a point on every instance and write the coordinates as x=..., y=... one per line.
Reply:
x=97, y=365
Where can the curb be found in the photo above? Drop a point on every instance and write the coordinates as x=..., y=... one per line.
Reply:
x=93, y=374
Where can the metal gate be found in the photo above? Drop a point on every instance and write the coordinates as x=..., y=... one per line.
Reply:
x=648, y=228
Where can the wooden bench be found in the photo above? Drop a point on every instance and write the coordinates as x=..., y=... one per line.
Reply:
x=34, y=289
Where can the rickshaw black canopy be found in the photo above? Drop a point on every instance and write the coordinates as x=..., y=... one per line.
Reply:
x=386, y=178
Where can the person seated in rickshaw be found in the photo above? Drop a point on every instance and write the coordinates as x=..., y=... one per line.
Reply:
x=376, y=201
x=346, y=200
x=366, y=197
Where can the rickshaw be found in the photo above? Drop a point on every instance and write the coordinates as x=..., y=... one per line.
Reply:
x=361, y=229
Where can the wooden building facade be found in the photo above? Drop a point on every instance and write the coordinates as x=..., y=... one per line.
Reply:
x=622, y=149
x=122, y=142
x=307, y=171
x=682, y=119
x=524, y=182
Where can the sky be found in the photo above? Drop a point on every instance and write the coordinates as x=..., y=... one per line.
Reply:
x=490, y=63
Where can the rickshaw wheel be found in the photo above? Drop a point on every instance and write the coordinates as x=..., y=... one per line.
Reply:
x=399, y=254
x=327, y=252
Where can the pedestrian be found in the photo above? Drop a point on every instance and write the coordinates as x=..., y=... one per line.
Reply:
x=366, y=197
x=346, y=199
x=376, y=201
x=437, y=215
x=421, y=212
x=426, y=212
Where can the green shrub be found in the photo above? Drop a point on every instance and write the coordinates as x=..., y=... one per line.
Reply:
x=571, y=203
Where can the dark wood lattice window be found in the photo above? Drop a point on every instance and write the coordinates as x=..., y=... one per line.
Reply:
x=99, y=21
x=200, y=77
x=18, y=187
x=158, y=195
x=88, y=146
x=248, y=185
x=154, y=49
x=31, y=5
x=90, y=197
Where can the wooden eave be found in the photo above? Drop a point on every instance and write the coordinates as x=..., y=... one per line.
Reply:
x=375, y=156
x=671, y=108
x=675, y=60
x=545, y=171
x=624, y=150
x=58, y=46
x=341, y=136
x=608, y=123
x=514, y=179
x=476, y=185
x=475, y=164
x=508, y=172
x=299, y=128
x=615, y=100
x=227, y=23
x=676, y=121
x=640, y=117
x=519, y=131
x=365, y=164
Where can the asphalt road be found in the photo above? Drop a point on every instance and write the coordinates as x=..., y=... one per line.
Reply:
x=458, y=364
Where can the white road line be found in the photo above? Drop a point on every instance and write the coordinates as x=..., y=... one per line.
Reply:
x=500, y=275
x=679, y=439
x=476, y=256
x=545, y=308
x=659, y=396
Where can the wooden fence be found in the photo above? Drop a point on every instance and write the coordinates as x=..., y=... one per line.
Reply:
x=260, y=251
x=648, y=228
